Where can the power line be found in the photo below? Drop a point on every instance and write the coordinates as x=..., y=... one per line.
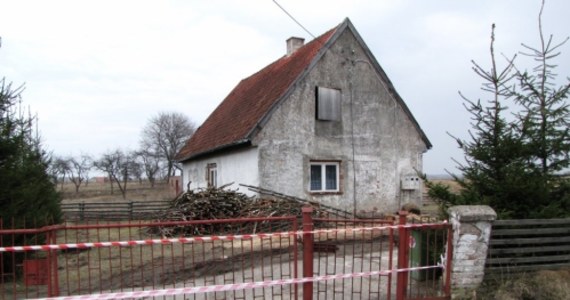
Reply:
x=293, y=18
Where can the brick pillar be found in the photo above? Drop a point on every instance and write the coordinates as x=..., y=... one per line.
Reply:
x=471, y=231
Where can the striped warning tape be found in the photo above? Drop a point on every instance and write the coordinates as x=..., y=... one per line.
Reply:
x=197, y=239
x=232, y=287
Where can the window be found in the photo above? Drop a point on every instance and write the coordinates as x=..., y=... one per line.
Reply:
x=212, y=175
x=328, y=104
x=324, y=177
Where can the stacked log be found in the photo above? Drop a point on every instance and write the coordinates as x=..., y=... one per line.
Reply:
x=223, y=203
x=207, y=204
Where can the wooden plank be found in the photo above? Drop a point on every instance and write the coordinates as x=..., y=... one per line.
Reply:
x=528, y=268
x=513, y=238
x=526, y=241
x=530, y=231
x=531, y=222
x=105, y=205
x=532, y=259
x=500, y=251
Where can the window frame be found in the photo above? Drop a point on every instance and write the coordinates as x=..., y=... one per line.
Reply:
x=212, y=175
x=323, y=165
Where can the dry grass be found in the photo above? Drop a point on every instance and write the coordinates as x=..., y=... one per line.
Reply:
x=453, y=186
x=116, y=268
x=430, y=207
x=540, y=285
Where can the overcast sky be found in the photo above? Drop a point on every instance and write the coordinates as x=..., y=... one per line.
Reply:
x=96, y=71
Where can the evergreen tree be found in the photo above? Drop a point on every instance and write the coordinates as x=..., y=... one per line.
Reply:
x=543, y=125
x=28, y=198
x=545, y=113
x=494, y=169
x=513, y=165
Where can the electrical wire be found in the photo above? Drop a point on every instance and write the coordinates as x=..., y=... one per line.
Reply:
x=293, y=18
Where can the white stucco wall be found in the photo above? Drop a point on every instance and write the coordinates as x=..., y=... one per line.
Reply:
x=240, y=166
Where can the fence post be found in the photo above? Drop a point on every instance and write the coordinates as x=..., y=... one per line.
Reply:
x=403, y=257
x=307, y=251
x=131, y=210
x=82, y=211
x=471, y=233
x=53, y=278
x=448, y=261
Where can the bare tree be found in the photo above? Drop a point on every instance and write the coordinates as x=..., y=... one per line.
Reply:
x=59, y=168
x=136, y=168
x=118, y=166
x=79, y=170
x=167, y=132
x=106, y=163
x=150, y=161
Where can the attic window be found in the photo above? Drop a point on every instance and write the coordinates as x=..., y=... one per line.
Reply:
x=328, y=104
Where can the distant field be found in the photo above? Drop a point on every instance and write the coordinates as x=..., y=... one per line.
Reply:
x=453, y=186
x=101, y=192
x=429, y=206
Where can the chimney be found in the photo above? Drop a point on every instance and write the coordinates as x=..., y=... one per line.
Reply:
x=294, y=43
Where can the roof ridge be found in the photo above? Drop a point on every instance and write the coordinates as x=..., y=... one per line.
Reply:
x=317, y=39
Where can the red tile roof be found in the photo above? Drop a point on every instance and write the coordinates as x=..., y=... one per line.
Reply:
x=237, y=116
x=235, y=120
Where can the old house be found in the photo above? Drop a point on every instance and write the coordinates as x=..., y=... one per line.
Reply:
x=323, y=123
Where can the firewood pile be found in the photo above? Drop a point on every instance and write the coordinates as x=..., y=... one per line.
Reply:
x=223, y=203
x=207, y=204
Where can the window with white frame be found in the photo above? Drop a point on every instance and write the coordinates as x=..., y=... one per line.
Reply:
x=328, y=104
x=324, y=176
x=212, y=175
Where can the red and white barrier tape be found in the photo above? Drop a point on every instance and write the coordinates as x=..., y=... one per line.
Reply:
x=232, y=287
x=195, y=239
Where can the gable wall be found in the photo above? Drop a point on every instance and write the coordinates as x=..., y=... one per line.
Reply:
x=386, y=144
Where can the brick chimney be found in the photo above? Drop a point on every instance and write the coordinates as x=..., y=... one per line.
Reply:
x=294, y=43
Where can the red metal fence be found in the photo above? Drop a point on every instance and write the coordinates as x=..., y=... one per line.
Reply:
x=254, y=258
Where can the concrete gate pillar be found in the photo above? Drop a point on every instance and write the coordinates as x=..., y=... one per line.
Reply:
x=471, y=231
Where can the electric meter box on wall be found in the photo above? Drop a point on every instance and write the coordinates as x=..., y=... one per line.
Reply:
x=411, y=182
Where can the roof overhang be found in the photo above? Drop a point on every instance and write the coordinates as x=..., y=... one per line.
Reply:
x=217, y=150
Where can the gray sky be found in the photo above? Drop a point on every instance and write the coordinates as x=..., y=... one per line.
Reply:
x=96, y=71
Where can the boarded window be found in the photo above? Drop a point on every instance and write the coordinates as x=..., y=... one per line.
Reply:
x=328, y=104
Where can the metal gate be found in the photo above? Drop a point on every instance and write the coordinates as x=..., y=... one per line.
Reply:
x=378, y=259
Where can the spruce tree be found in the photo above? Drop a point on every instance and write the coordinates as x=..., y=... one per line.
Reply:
x=514, y=165
x=544, y=125
x=545, y=113
x=494, y=170
x=28, y=198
